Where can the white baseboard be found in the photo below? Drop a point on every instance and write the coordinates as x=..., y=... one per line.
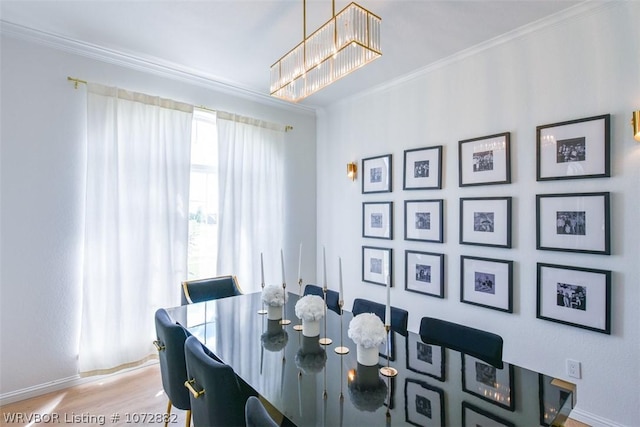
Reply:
x=592, y=419
x=55, y=385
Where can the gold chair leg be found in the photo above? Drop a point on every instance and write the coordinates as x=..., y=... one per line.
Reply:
x=166, y=420
x=188, y=423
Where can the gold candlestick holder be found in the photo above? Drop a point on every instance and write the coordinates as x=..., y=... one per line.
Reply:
x=388, y=371
x=298, y=327
x=262, y=310
x=341, y=349
x=325, y=340
x=284, y=320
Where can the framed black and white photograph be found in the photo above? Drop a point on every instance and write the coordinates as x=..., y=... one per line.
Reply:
x=377, y=174
x=487, y=282
x=484, y=160
x=423, y=168
x=574, y=296
x=573, y=149
x=486, y=221
x=552, y=399
x=495, y=385
x=425, y=359
x=377, y=220
x=424, y=404
x=423, y=220
x=472, y=416
x=376, y=265
x=576, y=222
x=424, y=273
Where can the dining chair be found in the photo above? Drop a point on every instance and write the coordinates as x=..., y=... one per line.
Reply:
x=217, y=397
x=256, y=414
x=399, y=316
x=210, y=288
x=170, y=339
x=484, y=345
x=333, y=297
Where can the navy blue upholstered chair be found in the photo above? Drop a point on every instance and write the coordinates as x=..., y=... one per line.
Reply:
x=484, y=345
x=170, y=345
x=332, y=296
x=217, y=397
x=399, y=317
x=208, y=289
x=256, y=414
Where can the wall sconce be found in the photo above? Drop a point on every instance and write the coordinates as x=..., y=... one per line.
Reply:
x=352, y=170
x=635, y=122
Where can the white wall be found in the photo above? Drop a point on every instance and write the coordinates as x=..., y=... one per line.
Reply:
x=586, y=65
x=42, y=182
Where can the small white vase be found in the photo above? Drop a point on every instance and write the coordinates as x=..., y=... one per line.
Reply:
x=367, y=356
x=274, y=312
x=310, y=328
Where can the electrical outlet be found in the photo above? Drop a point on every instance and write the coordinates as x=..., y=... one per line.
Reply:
x=573, y=369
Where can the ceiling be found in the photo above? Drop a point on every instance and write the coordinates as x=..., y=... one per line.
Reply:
x=236, y=41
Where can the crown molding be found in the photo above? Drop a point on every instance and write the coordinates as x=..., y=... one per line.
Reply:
x=148, y=65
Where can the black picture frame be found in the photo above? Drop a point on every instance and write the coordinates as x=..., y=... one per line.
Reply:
x=473, y=416
x=574, y=296
x=574, y=222
x=427, y=401
x=423, y=168
x=485, y=221
x=376, y=265
x=487, y=282
x=485, y=160
x=489, y=383
x=377, y=220
x=424, y=358
x=377, y=174
x=424, y=220
x=424, y=273
x=551, y=398
x=574, y=149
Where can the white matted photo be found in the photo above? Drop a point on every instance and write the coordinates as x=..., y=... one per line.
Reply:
x=473, y=416
x=484, y=160
x=377, y=174
x=424, y=273
x=573, y=222
x=377, y=220
x=423, y=220
x=573, y=149
x=495, y=385
x=425, y=359
x=575, y=296
x=423, y=168
x=485, y=221
x=486, y=282
x=424, y=404
x=376, y=265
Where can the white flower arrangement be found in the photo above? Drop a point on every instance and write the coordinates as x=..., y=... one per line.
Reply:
x=310, y=308
x=367, y=330
x=274, y=295
x=368, y=398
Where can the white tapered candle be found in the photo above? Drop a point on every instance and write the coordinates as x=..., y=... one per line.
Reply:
x=282, y=262
x=300, y=264
x=262, y=268
x=387, y=313
x=341, y=294
x=324, y=267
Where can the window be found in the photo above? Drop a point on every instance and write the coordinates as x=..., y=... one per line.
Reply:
x=203, y=197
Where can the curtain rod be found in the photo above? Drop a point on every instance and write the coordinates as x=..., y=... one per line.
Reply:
x=287, y=128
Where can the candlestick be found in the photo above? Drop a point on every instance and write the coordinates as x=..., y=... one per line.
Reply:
x=387, y=313
x=282, y=262
x=262, y=311
x=300, y=264
x=341, y=292
x=324, y=268
x=388, y=371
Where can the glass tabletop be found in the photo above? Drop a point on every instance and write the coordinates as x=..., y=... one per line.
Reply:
x=312, y=385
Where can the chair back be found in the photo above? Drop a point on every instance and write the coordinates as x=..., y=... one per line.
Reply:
x=256, y=414
x=210, y=288
x=170, y=344
x=399, y=317
x=332, y=296
x=484, y=345
x=216, y=396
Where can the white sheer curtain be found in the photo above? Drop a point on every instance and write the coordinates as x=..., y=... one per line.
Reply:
x=251, y=211
x=136, y=222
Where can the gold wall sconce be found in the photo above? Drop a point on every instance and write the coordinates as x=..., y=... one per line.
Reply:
x=635, y=122
x=352, y=170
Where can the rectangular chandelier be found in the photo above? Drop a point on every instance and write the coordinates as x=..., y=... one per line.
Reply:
x=348, y=41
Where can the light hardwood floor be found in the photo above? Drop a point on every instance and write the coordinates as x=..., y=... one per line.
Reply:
x=135, y=396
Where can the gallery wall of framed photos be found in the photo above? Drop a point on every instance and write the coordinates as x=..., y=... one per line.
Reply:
x=579, y=222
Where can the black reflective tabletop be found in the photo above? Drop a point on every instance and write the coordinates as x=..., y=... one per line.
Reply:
x=312, y=385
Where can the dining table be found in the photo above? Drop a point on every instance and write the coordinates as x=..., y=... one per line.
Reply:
x=311, y=384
